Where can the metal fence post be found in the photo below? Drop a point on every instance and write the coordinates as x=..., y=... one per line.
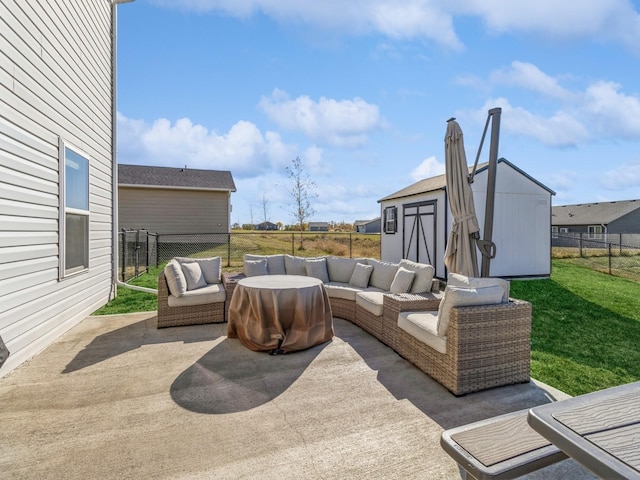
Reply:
x=350, y=245
x=228, y=249
x=609, y=259
x=124, y=254
x=293, y=244
x=137, y=249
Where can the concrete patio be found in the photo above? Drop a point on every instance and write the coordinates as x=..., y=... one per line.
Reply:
x=115, y=398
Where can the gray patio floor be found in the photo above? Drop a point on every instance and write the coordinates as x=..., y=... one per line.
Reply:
x=115, y=398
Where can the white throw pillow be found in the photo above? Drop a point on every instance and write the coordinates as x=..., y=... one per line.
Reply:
x=317, y=267
x=340, y=269
x=402, y=281
x=193, y=274
x=254, y=268
x=360, y=276
x=457, y=280
x=423, y=280
x=176, y=280
x=383, y=274
x=465, y=297
x=211, y=267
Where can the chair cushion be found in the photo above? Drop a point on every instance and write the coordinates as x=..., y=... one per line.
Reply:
x=211, y=267
x=360, y=276
x=214, y=293
x=383, y=274
x=424, y=275
x=295, y=265
x=342, y=290
x=275, y=263
x=253, y=268
x=465, y=297
x=340, y=269
x=317, y=267
x=193, y=274
x=402, y=281
x=457, y=280
x=176, y=281
x=371, y=301
x=423, y=326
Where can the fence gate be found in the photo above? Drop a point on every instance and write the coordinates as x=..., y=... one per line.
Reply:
x=419, y=231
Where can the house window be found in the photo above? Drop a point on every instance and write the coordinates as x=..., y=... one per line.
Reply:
x=595, y=232
x=74, y=210
x=391, y=220
x=554, y=231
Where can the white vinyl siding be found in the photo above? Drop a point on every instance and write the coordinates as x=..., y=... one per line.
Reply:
x=55, y=74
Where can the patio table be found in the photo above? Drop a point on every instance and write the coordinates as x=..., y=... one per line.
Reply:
x=601, y=430
x=280, y=313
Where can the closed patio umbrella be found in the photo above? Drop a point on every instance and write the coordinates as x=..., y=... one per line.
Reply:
x=460, y=255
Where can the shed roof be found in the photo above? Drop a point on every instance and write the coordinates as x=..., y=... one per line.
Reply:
x=440, y=182
x=592, y=213
x=143, y=175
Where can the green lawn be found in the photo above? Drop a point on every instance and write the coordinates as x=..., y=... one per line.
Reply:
x=586, y=325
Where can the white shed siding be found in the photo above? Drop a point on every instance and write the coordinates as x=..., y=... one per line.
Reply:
x=55, y=79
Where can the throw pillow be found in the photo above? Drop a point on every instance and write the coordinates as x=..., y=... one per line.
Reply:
x=360, y=276
x=317, y=267
x=465, y=297
x=383, y=274
x=211, y=267
x=275, y=263
x=402, y=281
x=457, y=280
x=253, y=268
x=423, y=280
x=193, y=274
x=176, y=280
x=340, y=268
x=295, y=265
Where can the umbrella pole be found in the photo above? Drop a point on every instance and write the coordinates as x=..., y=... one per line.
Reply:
x=494, y=113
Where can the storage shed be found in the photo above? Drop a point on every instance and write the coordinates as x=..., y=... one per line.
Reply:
x=416, y=222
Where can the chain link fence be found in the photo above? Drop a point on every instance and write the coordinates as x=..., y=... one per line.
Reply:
x=613, y=253
x=138, y=249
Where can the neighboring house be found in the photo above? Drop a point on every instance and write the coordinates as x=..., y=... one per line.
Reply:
x=57, y=184
x=318, y=226
x=174, y=200
x=367, y=226
x=416, y=222
x=596, y=219
x=266, y=226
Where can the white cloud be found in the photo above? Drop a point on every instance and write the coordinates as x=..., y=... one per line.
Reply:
x=530, y=77
x=243, y=149
x=429, y=167
x=343, y=123
x=625, y=176
x=617, y=114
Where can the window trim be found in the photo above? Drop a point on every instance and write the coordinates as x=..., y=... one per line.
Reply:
x=63, y=210
x=394, y=212
x=596, y=232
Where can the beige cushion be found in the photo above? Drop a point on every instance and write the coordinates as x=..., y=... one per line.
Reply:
x=383, y=274
x=193, y=274
x=176, y=280
x=342, y=290
x=465, y=297
x=371, y=301
x=253, y=268
x=295, y=265
x=340, y=269
x=317, y=267
x=360, y=276
x=211, y=267
x=423, y=280
x=275, y=263
x=402, y=281
x=423, y=326
x=214, y=293
x=457, y=280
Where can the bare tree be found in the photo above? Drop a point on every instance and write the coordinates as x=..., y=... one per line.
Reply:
x=301, y=189
x=265, y=209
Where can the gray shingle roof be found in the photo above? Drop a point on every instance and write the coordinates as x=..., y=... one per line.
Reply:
x=592, y=213
x=175, y=177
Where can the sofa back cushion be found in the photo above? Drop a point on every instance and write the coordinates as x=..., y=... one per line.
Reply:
x=295, y=265
x=457, y=280
x=211, y=267
x=340, y=269
x=275, y=263
x=176, y=281
x=465, y=297
x=402, y=281
x=317, y=267
x=423, y=279
x=253, y=268
x=360, y=276
x=383, y=274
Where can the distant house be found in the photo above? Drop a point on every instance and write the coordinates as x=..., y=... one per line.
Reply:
x=367, y=226
x=318, y=226
x=596, y=219
x=58, y=184
x=266, y=226
x=174, y=200
x=416, y=222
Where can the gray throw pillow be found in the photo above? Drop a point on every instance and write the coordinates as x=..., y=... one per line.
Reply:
x=360, y=276
x=402, y=281
x=253, y=268
x=193, y=274
x=176, y=280
x=317, y=267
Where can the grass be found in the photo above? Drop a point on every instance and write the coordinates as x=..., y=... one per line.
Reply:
x=585, y=332
x=586, y=328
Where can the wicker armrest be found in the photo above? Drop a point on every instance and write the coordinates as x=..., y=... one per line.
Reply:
x=231, y=277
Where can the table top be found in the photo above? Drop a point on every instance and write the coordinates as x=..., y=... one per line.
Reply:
x=601, y=430
x=277, y=282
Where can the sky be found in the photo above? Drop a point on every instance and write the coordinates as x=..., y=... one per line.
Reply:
x=361, y=90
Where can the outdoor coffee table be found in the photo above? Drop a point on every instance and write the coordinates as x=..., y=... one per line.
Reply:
x=601, y=430
x=280, y=313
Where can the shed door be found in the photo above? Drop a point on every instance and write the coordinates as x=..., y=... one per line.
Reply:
x=419, y=231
